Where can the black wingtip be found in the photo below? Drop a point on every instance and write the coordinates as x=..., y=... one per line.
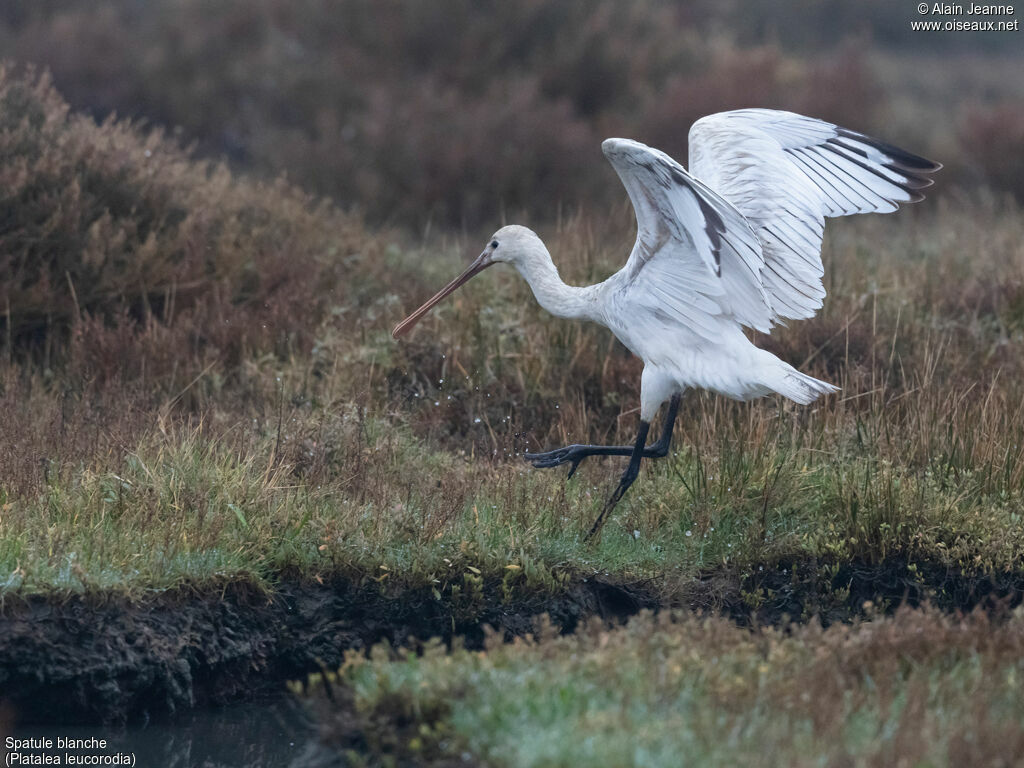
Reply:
x=909, y=167
x=913, y=181
x=907, y=161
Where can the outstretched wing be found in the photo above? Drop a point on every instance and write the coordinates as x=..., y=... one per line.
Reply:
x=785, y=173
x=696, y=261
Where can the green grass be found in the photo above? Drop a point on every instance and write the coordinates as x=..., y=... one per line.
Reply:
x=914, y=689
x=187, y=505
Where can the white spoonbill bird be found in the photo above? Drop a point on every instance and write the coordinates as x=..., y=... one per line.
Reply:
x=733, y=243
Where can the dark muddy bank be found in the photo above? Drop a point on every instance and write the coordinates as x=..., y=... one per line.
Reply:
x=91, y=660
x=88, y=659
x=827, y=591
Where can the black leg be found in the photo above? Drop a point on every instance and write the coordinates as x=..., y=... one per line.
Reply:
x=660, y=448
x=625, y=481
x=577, y=453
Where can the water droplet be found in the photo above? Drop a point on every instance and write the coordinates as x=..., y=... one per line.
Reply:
x=689, y=533
x=476, y=420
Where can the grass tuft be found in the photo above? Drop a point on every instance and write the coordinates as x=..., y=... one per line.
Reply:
x=919, y=687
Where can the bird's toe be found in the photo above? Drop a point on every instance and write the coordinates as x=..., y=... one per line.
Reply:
x=546, y=462
x=557, y=457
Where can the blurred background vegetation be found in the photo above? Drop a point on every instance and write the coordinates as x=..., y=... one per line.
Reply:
x=453, y=111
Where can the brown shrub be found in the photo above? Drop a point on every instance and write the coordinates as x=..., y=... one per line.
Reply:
x=449, y=111
x=436, y=154
x=121, y=235
x=837, y=88
x=993, y=139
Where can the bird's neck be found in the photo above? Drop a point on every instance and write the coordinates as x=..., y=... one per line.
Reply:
x=552, y=294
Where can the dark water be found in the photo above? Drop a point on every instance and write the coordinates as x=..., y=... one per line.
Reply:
x=274, y=733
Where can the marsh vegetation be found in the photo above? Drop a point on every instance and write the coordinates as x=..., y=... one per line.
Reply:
x=200, y=392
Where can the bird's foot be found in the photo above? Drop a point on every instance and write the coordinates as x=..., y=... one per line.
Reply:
x=559, y=456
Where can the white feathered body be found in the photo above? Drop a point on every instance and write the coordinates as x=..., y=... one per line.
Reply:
x=676, y=359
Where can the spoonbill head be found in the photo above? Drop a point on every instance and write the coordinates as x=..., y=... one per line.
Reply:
x=732, y=243
x=512, y=244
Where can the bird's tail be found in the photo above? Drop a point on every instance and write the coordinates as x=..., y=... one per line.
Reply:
x=799, y=387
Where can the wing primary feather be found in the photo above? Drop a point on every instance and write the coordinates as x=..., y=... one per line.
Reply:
x=872, y=195
x=801, y=162
x=834, y=171
x=899, y=176
x=810, y=219
x=786, y=271
x=908, y=160
x=818, y=268
x=772, y=268
x=910, y=184
x=796, y=234
x=791, y=235
x=893, y=173
x=850, y=147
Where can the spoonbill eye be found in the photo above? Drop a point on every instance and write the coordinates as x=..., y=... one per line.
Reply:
x=494, y=243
